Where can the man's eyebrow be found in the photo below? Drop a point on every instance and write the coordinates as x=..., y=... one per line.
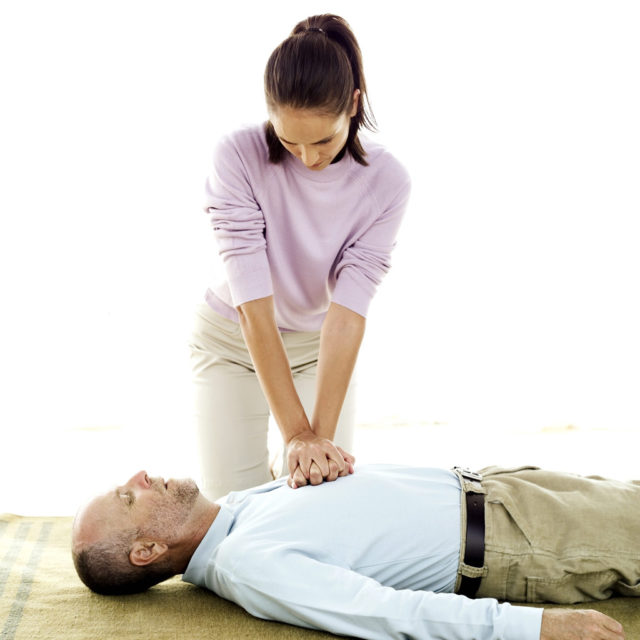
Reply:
x=333, y=135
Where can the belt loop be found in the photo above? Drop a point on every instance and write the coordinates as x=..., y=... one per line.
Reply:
x=469, y=480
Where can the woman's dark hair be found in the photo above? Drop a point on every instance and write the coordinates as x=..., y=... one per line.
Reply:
x=318, y=67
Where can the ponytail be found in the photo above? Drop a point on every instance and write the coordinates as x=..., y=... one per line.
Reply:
x=318, y=67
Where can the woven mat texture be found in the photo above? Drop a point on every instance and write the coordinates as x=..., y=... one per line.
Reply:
x=41, y=597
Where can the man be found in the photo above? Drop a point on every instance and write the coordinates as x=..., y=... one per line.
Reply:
x=382, y=553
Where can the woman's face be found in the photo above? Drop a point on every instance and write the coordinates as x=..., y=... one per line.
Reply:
x=314, y=138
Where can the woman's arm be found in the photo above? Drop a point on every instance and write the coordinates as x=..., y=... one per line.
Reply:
x=340, y=339
x=258, y=325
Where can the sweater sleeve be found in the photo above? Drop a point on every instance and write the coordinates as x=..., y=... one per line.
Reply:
x=238, y=225
x=303, y=591
x=367, y=259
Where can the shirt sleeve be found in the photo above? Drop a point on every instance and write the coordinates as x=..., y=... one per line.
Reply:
x=238, y=225
x=367, y=259
x=298, y=589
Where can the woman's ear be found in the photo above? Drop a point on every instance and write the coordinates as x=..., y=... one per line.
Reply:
x=145, y=552
x=356, y=99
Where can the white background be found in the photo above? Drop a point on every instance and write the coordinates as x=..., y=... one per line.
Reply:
x=512, y=305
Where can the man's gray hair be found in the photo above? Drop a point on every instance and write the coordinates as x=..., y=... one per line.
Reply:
x=106, y=569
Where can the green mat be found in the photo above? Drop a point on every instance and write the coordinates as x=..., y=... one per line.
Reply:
x=41, y=597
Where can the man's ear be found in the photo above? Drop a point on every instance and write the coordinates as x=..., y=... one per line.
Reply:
x=144, y=552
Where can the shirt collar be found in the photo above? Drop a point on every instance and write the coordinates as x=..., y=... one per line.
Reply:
x=218, y=531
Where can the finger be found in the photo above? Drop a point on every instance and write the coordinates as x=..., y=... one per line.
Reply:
x=304, y=464
x=298, y=477
x=605, y=627
x=337, y=458
x=291, y=480
x=315, y=475
x=612, y=625
x=322, y=463
x=347, y=456
x=293, y=460
x=334, y=472
x=298, y=456
x=606, y=634
x=346, y=471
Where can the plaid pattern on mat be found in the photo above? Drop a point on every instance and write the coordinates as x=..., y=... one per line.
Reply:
x=41, y=597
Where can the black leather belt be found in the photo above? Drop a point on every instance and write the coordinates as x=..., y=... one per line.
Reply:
x=474, y=547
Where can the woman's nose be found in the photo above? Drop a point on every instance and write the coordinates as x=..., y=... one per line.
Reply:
x=309, y=156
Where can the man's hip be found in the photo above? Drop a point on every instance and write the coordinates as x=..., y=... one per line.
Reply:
x=558, y=537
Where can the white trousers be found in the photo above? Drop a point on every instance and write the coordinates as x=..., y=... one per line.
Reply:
x=231, y=412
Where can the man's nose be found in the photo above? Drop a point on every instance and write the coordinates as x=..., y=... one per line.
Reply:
x=141, y=480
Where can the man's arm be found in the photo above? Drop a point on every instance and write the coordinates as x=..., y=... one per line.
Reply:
x=295, y=588
x=306, y=592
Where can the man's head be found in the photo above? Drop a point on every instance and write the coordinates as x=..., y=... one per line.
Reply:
x=139, y=534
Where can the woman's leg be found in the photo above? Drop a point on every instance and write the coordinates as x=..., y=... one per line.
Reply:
x=231, y=412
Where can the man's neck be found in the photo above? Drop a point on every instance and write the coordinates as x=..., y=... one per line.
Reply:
x=202, y=524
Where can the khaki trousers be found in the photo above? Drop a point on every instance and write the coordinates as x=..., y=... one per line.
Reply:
x=557, y=537
x=231, y=412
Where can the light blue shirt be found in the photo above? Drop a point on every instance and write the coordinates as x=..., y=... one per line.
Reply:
x=372, y=555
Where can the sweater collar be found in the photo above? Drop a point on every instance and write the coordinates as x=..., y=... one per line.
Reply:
x=330, y=173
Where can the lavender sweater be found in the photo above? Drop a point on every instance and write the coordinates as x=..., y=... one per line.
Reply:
x=306, y=237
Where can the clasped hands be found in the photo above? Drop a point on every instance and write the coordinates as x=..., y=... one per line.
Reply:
x=314, y=460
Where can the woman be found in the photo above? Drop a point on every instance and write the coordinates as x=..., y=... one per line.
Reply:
x=305, y=216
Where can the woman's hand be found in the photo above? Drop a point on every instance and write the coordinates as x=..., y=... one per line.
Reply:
x=297, y=479
x=313, y=460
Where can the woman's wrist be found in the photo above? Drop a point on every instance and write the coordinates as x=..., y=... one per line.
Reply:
x=302, y=435
x=289, y=438
x=323, y=430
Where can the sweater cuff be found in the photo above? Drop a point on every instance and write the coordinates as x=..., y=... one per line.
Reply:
x=248, y=277
x=350, y=293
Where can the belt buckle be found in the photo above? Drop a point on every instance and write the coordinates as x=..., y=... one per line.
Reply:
x=467, y=474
